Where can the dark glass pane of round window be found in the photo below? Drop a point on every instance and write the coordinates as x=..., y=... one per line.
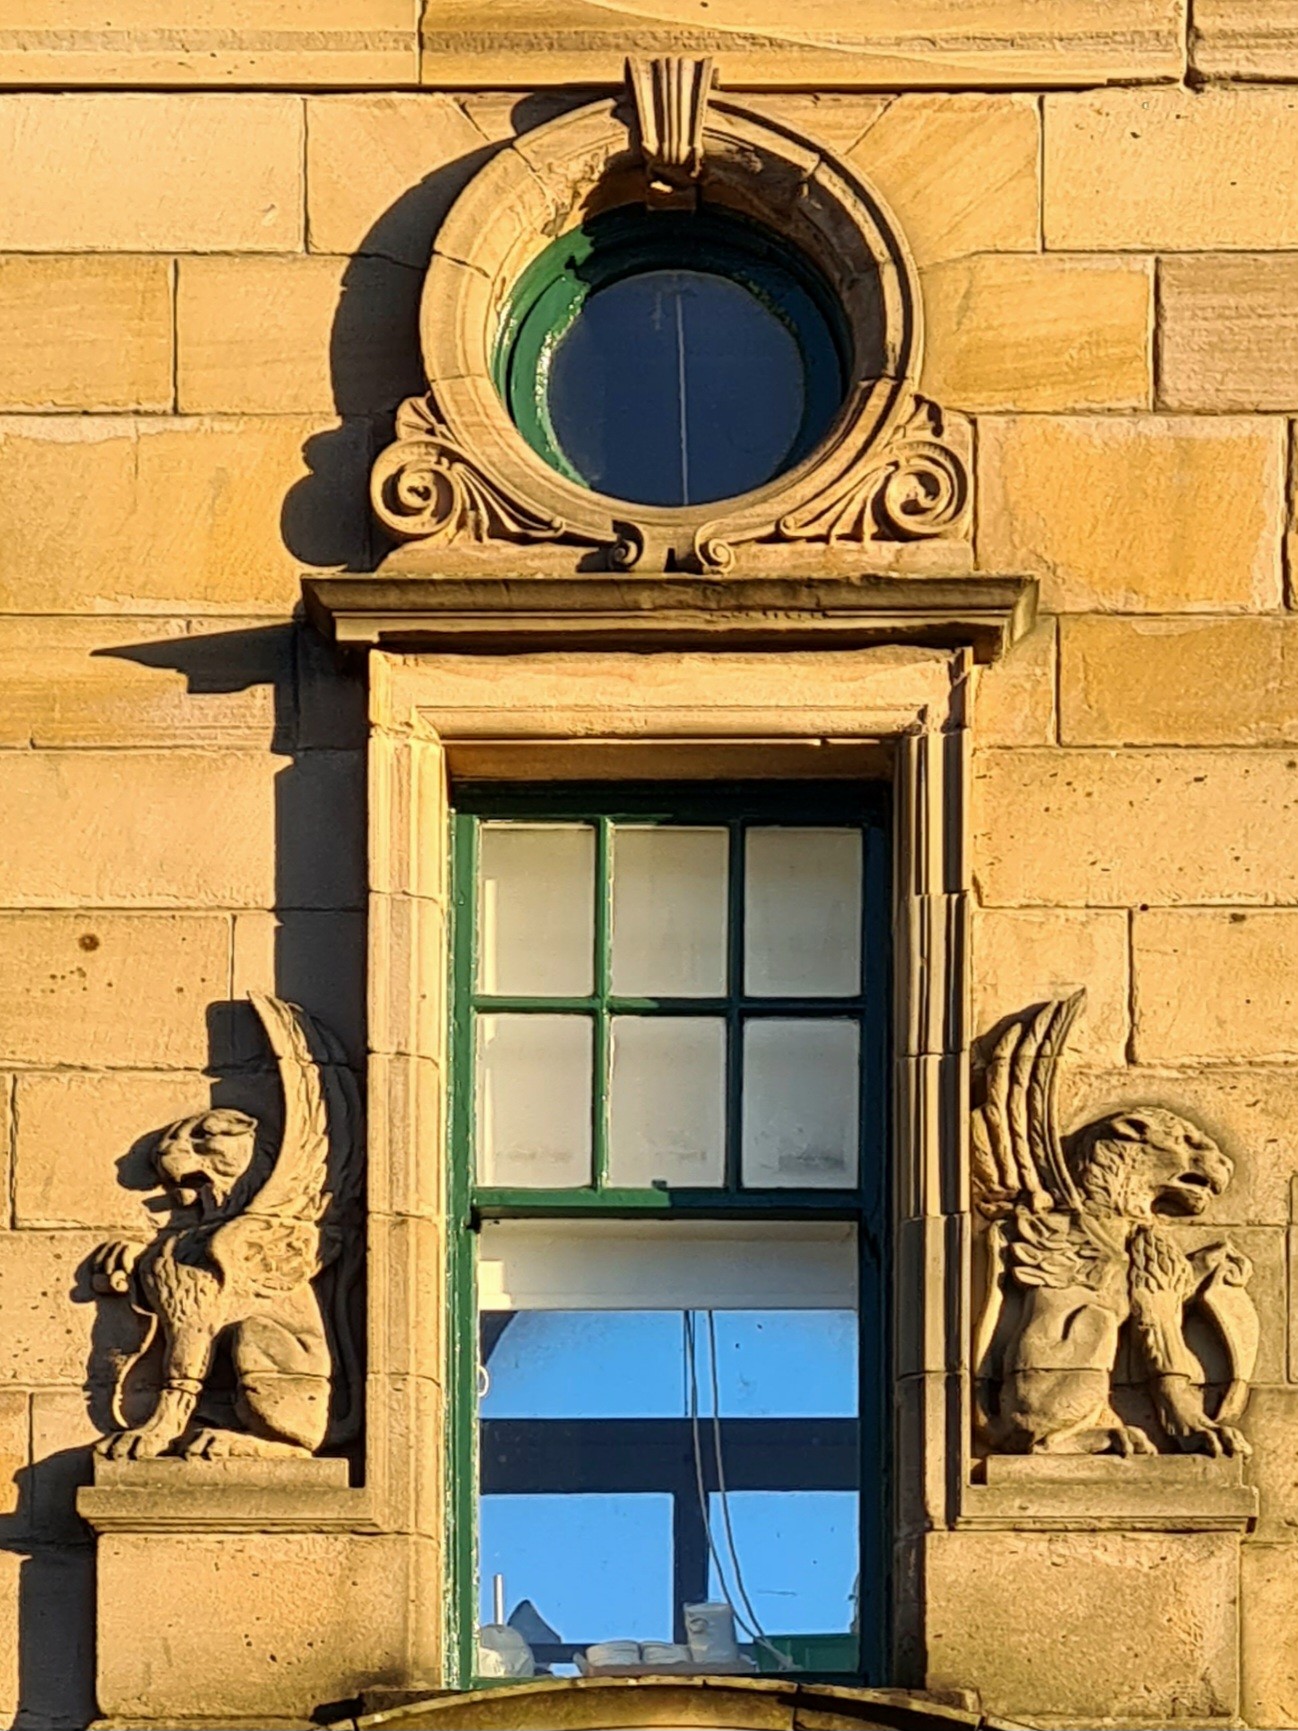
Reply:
x=676, y=387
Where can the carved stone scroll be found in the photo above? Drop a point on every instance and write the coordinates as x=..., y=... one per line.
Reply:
x=253, y=1226
x=671, y=100
x=1082, y=1244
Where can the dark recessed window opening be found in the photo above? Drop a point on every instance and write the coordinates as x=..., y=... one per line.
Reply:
x=673, y=358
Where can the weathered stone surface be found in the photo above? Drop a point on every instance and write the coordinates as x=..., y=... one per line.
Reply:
x=959, y=172
x=1253, y=39
x=151, y=173
x=249, y=1623
x=1024, y=956
x=296, y=335
x=113, y=682
x=1228, y=332
x=110, y=513
x=1040, y=332
x=313, y=959
x=1126, y=828
x=869, y=42
x=230, y=42
x=1166, y=1604
x=85, y=333
x=1135, y=514
x=1212, y=984
x=1271, y=1424
x=1252, y=1112
x=94, y=829
x=1171, y=171
x=15, y=1452
x=1178, y=681
x=112, y=989
x=382, y=171
x=1015, y=704
x=64, y=1432
x=81, y=1158
x=47, y=1621
x=47, y=1333
x=1269, y=1595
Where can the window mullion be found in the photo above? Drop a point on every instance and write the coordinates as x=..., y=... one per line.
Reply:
x=603, y=978
x=734, y=1021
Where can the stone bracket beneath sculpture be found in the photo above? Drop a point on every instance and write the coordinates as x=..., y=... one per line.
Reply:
x=1098, y=1493
x=307, y=1494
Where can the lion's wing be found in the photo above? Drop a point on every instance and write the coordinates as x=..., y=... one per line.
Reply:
x=1017, y=1151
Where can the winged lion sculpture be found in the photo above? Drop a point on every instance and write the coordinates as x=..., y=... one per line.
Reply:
x=1080, y=1244
x=253, y=1227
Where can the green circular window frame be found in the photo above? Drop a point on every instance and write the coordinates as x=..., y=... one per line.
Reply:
x=631, y=241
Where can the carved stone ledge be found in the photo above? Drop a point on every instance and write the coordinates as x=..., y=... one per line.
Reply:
x=1095, y=1493
x=304, y=1494
x=988, y=614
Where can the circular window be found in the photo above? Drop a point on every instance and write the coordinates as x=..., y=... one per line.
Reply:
x=671, y=358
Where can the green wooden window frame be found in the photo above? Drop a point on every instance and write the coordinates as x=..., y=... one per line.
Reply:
x=630, y=241
x=867, y=1205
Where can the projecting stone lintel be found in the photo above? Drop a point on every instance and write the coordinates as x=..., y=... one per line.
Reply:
x=495, y=613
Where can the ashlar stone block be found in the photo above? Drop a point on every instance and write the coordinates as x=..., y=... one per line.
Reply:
x=47, y=1333
x=1039, y=332
x=250, y=1624
x=1135, y=514
x=1016, y=697
x=1269, y=1603
x=1215, y=984
x=294, y=42
x=118, y=513
x=276, y=335
x=960, y=172
x=1171, y=170
x=383, y=170
x=112, y=682
x=1021, y=1612
x=130, y=172
x=112, y=989
x=1135, y=828
x=85, y=333
x=1228, y=332
x=1178, y=681
x=1245, y=39
x=1024, y=956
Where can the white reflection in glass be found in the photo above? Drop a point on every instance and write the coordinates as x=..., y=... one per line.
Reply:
x=801, y=1103
x=669, y=911
x=536, y=909
x=802, y=912
x=534, y=1100
x=667, y=1107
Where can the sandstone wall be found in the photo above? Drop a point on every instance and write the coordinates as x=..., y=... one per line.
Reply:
x=210, y=249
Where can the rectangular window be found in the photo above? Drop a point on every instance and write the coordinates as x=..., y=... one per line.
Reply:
x=669, y=1199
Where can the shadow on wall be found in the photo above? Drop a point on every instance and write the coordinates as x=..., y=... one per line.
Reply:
x=374, y=356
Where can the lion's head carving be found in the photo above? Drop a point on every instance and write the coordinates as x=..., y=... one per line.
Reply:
x=1149, y=1161
x=202, y=1159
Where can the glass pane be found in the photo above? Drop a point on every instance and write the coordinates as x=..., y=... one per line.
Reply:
x=534, y=1100
x=801, y=1092
x=581, y=1363
x=667, y=1114
x=799, y=1552
x=536, y=909
x=673, y=387
x=669, y=912
x=595, y=1568
x=802, y=913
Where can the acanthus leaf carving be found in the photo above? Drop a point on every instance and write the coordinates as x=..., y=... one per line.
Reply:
x=252, y=1230
x=426, y=486
x=1081, y=1244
